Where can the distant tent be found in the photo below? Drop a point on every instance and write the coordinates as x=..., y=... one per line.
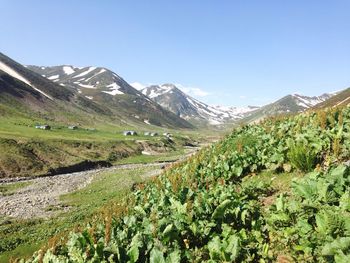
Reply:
x=128, y=133
x=73, y=127
x=43, y=127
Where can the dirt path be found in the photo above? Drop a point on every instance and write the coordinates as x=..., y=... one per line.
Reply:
x=43, y=192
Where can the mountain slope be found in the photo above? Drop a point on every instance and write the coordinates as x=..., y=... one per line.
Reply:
x=107, y=89
x=183, y=105
x=342, y=98
x=25, y=92
x=287, y=105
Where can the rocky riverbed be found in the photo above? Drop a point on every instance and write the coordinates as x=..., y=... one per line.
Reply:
x=42, y=194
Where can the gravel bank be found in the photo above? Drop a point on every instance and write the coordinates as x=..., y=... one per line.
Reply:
x=43, y=193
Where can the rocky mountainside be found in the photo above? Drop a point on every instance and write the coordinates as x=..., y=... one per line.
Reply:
x=172, y=98
x=106, y=89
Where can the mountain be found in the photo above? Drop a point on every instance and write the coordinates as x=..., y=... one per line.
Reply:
x=183, y=105
x=341, y=98
x=106, y=89
x=289, y=104
x=26, y=93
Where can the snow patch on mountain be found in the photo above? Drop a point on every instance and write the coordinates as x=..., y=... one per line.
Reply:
x=159, y=90
x=114, y=89
x=308, y=102
x=68, y=70
x=54, y=77
x=85, y=72
x=87, y=86
x=13, y=73
x=100, y=72
x=18, y=76
x=235, y=111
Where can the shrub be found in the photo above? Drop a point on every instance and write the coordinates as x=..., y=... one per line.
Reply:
x=303, y=157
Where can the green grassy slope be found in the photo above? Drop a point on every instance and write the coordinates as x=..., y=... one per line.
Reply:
x=35, y=157
x=26, y=151
x=214, y=208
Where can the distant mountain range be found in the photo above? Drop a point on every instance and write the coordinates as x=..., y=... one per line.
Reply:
x=287, y=105
x=86, y=94
x=106, y=89
x=172, y=98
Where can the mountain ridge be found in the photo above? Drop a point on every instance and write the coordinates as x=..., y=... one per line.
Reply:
x=174, y=99
x=104, y=87
x=289, y=104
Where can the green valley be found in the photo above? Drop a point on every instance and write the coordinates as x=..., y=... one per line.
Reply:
x=214, y=208
x=174, y=132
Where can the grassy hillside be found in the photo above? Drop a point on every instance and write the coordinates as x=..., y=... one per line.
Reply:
x=26, y=151
x=276, y=191
x=39, y=157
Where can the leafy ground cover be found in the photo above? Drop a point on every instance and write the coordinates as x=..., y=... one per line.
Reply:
x=20, y=238
x=212, y=208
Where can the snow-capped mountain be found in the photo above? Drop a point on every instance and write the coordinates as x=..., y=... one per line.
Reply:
x=27, y=93
x=237, y=112
x=87, y=80
x=305, y=102
x=107, y=89
x=189, y=108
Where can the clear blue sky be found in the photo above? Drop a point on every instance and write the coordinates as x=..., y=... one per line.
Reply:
x=240, y=52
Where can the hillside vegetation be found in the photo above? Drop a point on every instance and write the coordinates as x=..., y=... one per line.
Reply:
x=27, y=151
x=235, y=201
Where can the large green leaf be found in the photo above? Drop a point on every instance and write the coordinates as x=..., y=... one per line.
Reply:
x=156, y=256
x=133, y=252
x=219, y=211
x=233, y=247
x=333, y=248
